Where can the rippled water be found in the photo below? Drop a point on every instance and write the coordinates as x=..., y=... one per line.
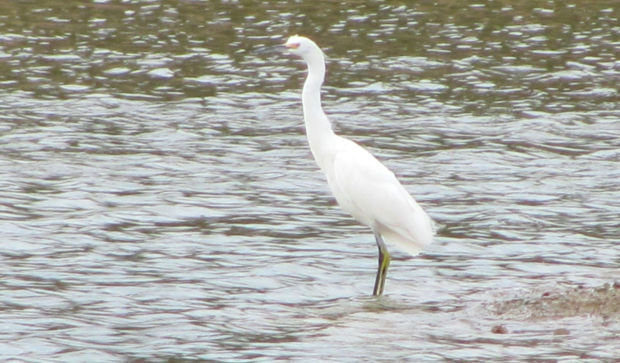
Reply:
x=158, y=199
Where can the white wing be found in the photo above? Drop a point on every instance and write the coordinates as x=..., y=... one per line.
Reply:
x=371, y=194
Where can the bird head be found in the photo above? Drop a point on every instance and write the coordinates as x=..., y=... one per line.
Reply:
x=302, y=46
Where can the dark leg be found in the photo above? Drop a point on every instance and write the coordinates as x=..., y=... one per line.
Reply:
x=384, y=262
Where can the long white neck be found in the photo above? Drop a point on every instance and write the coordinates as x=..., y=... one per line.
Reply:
x=318, y=127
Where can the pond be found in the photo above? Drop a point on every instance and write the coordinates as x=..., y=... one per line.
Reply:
x=159, y=201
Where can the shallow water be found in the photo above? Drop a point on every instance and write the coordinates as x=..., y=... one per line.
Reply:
x=158, y=199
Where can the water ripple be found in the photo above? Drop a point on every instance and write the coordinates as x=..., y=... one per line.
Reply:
x=159, y=202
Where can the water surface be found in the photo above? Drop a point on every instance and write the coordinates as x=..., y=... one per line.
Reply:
x=158, y=199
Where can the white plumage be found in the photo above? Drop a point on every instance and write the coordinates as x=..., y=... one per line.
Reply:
x=363, y=186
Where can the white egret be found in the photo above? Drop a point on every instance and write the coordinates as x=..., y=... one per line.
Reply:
x=363, y=186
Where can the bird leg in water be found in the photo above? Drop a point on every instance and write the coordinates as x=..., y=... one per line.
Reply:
x=384, y=262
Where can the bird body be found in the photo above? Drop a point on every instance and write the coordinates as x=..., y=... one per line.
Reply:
x=370, y=192
x=362, y=185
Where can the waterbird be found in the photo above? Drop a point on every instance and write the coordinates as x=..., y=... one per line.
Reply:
x=362, y=185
